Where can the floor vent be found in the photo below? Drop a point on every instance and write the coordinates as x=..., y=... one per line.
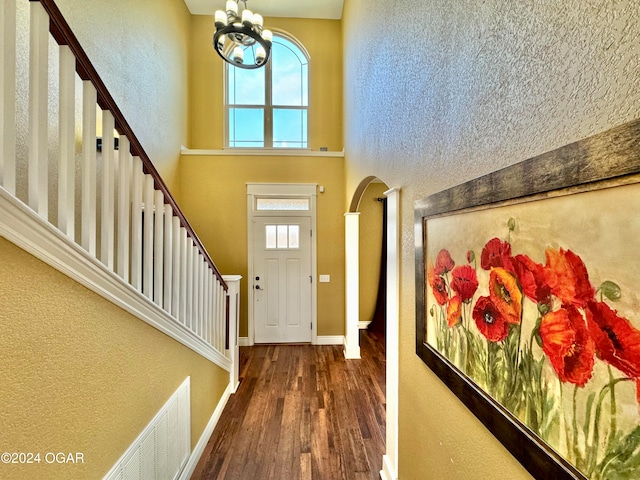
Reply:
x=162, y=449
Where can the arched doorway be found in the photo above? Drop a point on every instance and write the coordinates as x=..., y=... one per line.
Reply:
x=352, y=268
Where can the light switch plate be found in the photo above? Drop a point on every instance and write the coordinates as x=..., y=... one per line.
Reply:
x=325, y=278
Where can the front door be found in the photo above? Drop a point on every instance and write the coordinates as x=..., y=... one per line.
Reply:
x=282, y=279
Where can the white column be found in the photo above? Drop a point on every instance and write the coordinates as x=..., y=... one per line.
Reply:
x=89, y=101
x=107, y=218
x=390, y=459
x=233, y=282
x=124, y=209
x=352, y=278
x=38, y=110
x=8, y=95
x=67, y=137
x=137, y=183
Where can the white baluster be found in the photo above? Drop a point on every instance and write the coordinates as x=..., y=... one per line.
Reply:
x=189, y=292
x=148, y=194
x=124, y=209
x=8, y=95
x=207, y=302
x=214, y=318
x=184, y=273
x=67, y=136
x=203, y=294
x=137, y=183
x=168, y=258
x=177, y=252
x=195, y=291
x=89, y=100
x=38, y=110
x=107, y=250
x=220, y=321
x=215, y=327
x=200, y=293
x=158, y=249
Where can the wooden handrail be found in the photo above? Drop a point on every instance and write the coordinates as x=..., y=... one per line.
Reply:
x=62, y=33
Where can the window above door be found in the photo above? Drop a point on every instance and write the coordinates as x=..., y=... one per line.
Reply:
x=269, y=107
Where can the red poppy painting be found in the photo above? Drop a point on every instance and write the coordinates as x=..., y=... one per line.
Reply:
x=528, y=304
x=542, y=326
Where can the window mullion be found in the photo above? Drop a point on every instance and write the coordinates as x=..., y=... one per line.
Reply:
x=268, y=107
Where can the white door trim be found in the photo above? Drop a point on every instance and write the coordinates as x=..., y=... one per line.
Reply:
x=279, y=190
x=390, y=459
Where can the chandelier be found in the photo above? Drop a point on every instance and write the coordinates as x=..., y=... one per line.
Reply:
x=240, y=39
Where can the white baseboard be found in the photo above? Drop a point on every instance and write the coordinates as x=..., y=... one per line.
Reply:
x=321, y=340
x=362, y=324
x=330, y=340
x=387, y=472
x=206, y=435
x=352, y=353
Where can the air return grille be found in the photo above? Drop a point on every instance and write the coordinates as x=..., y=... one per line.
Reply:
x=161, y=451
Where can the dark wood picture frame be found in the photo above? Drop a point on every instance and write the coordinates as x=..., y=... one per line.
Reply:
x=611, y=157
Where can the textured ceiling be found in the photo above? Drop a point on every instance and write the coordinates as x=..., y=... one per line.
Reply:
x=331, y=9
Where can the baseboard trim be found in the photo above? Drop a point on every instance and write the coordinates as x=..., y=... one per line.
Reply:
x=352, y=353
x=387, y=472
x=194, y=458
x=321, y=340
x=362, y=324
x=330, y=340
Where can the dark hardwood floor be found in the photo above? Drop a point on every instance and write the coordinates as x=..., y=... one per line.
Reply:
x=302, y=412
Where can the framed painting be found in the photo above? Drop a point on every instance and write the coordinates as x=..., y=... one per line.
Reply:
x=528, y=304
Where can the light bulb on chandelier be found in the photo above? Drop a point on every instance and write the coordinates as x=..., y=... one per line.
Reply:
x=240, y=38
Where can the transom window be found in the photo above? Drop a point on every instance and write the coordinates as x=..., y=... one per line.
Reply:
x=291, y=204
x=268, y=107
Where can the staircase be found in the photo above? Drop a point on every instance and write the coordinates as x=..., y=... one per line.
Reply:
x=79, y=192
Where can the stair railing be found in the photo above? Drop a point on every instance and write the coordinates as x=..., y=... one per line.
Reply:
x=107, y=200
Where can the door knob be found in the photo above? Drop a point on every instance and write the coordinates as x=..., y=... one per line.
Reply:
x=258, y=287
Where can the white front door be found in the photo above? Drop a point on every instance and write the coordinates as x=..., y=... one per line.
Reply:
x=282, y=279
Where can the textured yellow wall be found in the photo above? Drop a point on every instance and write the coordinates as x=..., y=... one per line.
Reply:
x=454, y=91
x=323, y=41
x=140, y=50
x=215, y=201
x=82, y=375
x=214, y=187
x=370, y=246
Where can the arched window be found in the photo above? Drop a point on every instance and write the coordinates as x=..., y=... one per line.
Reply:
x=268, y=107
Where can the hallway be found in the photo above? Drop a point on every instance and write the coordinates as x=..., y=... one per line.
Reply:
x=302, y=412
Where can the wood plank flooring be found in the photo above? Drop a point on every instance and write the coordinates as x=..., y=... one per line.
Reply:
x=302, y=412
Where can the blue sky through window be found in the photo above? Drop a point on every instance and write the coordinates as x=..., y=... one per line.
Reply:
x=247, y=103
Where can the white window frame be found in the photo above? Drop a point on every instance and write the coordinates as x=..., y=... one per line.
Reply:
x=268, y=106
